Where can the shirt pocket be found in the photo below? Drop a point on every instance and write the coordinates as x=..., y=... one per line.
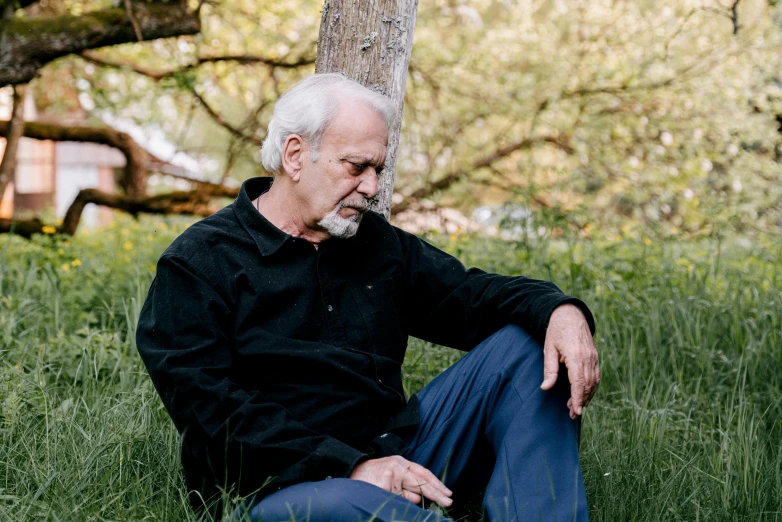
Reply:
x=377, y=317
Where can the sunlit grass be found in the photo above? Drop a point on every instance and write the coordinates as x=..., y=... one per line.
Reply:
x=686, y=425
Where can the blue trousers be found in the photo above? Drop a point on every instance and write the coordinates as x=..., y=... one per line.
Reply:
x=485, y=423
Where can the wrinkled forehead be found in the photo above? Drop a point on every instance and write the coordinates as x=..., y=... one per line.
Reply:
x=358, y=130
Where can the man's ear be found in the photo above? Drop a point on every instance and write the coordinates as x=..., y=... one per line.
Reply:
x=292, y=151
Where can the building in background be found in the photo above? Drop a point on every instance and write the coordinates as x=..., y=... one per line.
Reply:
x=50, y=174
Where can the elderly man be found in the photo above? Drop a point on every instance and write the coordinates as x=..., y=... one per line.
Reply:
x=275, y=332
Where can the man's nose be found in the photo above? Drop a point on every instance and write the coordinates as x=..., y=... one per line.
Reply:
x=368, y=185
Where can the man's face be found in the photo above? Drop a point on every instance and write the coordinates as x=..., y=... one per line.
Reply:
x=337, y=189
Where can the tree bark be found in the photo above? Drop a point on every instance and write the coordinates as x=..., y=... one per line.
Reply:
x=135, y=178
x=23, y=228
x=15, y=131
x=371, y=42
x=196, y=202
x=27, y=44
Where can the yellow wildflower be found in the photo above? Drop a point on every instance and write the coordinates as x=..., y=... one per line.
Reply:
x=125, y=232
x=65, y=268
x=60, y=251
x=128, y=245
x=149, y=237
x=76, y=262
x=48, y=229
x=647, y=241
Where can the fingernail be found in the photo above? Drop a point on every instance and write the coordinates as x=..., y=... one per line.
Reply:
x=580, y=410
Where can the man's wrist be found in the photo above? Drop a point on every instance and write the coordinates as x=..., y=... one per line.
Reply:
x=568, y=308
x=565, y=311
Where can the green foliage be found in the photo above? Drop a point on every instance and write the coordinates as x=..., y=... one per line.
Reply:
x=685, y=425
x=651, y=114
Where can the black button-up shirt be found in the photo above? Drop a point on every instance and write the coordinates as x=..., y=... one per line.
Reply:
x=278, y=360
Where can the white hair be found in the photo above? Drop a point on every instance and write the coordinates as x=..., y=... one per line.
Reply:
x=337, y=226
x=308, y=108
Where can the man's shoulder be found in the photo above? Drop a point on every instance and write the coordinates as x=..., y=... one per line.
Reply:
x=379, y=224
x=204, y=236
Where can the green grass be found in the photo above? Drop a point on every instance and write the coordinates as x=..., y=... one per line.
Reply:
x=687, y=424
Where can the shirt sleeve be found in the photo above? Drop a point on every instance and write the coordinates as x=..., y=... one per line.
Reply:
x=457, y=307
x=184, y=339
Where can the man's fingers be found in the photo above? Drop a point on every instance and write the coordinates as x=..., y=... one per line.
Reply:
x=593, y=379
x=388, y=482
x=413, y=497
x=576, y=392
x=429, y=477
x=589, y=381
x=550, y=368
x=423, y=482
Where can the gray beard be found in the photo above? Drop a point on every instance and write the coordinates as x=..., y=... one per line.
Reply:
x=340, y=227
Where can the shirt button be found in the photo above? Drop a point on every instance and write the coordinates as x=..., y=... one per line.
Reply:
x=330, y=308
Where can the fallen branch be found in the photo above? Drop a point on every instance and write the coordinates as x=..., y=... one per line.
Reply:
x=57, y=36
x=197, y=202
x=23, y=228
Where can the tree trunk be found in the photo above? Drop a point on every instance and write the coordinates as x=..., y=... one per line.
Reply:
x=15, y=131
x=371, y=41
x=27, y=44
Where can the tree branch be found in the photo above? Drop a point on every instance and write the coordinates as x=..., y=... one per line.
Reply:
x=134, y=181
x=59, y=36
x=196, y=202
x=15, y=131
x=23, y=228
x=484, y=162
x=133, y=21
x=734, y=16
x=222, y=122
x=160, y=75
x=199, y=61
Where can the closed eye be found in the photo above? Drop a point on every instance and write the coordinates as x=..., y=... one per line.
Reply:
x=361, y=167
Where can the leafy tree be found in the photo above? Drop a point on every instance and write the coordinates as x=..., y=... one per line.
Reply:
x=624, y=114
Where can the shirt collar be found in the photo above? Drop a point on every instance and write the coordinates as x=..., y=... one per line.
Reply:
x=268, y=237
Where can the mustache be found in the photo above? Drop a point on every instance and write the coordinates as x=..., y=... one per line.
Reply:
x=362, y=204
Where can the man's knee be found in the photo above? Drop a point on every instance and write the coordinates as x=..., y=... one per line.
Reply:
x=512, y=345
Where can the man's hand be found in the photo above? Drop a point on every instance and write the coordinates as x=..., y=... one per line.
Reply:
x=568, y=340
x=402, y=477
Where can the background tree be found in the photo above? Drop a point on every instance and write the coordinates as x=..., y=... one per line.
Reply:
x=371, y=42
x=638, y=117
